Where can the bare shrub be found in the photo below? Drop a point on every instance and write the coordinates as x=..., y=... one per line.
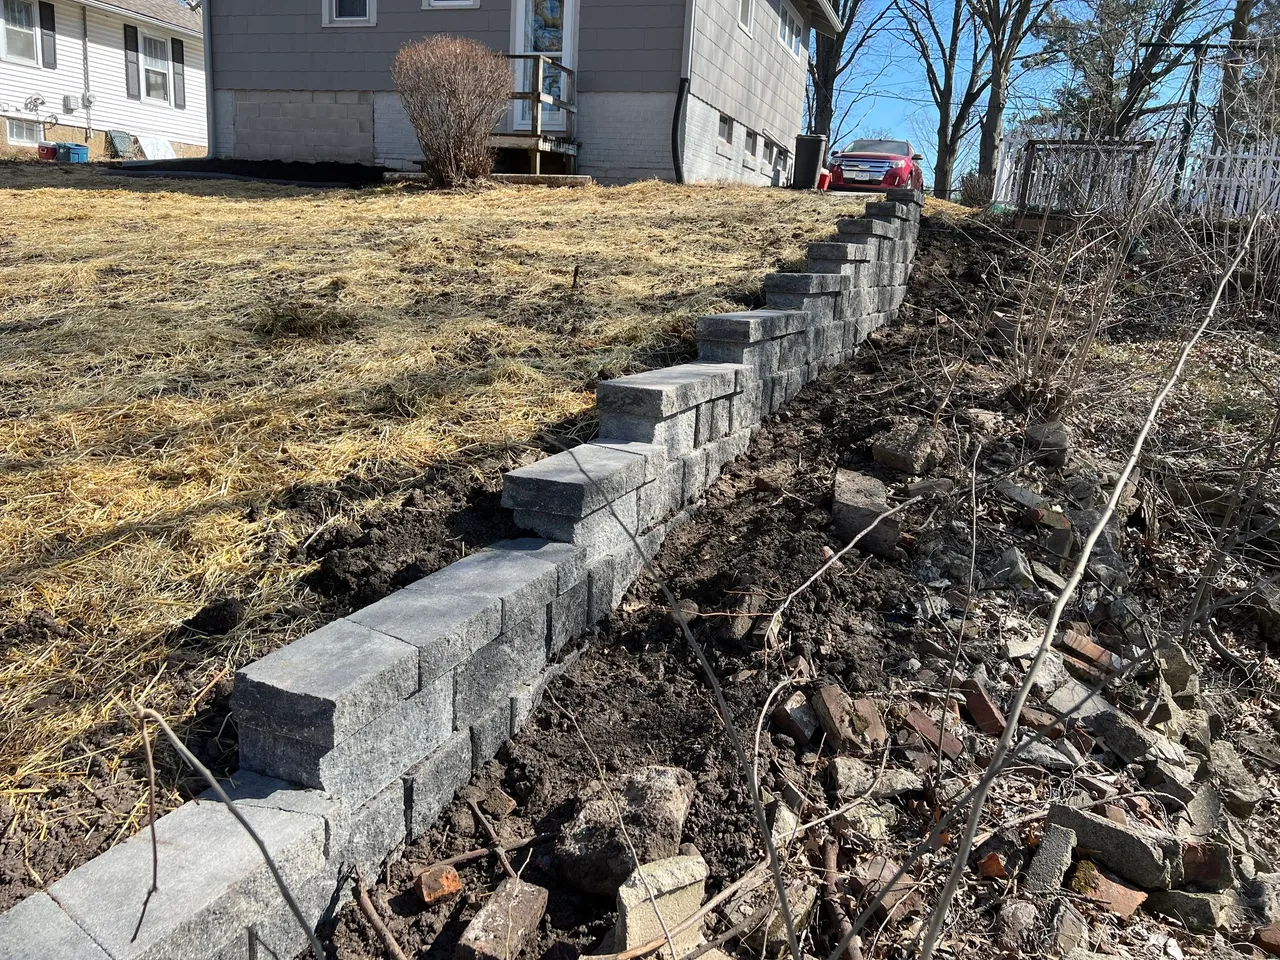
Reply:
x=976, y=189
x=454, y=91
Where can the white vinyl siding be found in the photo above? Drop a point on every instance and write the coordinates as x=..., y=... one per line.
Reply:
x=19, y=40
x=112, y=110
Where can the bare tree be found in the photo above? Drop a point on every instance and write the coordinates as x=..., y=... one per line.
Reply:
x=860, y=21
x=1007, y=24
x=955, y=57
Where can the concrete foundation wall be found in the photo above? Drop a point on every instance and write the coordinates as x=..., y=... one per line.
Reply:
x=709, y=158
x=295, y=125
x=355, y=737
x=625, y=136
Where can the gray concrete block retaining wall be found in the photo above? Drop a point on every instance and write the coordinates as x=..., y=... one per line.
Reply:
x=355, y=737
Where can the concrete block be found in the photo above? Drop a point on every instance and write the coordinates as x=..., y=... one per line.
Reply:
x=212, y=878
x=600, y=582
x=760, y=357
x=595, y=534
x=444, y=627
x=1051, y=861
x=514, y=571
x=657, y=897
x=864, y=227
x=489, y=732
x=502, y=927
x=528, y=696
x=575, y=482
x=1149, y=858
x=887, y=210
x=249, y=789
x=325, y=686
x=748, y=326
x=37, y=929
x=905, y=195
x=695, y=475
x=660, y=499
x=801, y=283
x=722, y=452
x=362, y=764
x=431, y=784
x=666, y=391
x=840, y=254
x=486, y=680
x=377, y=829
x=793, y=351
x=747, y=408
x=570, y=616
x=674, y=434
x=819, y=307
x=856, y=501
x=702, y=429
x=653, y=455
x=720, y=418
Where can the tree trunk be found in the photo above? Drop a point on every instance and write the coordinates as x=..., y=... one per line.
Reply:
x=943, y=168
x=826, y=66
x=993, y=127
x=1228, y=109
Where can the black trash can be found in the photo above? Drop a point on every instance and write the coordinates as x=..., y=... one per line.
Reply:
x=811, y=150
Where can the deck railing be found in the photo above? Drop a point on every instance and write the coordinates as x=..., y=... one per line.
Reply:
x=532, y=73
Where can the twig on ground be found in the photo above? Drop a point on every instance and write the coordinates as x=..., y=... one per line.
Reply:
x=479, y=852
x=375, y=921
x=151, y=821
x=831, y=897
x=758, y=917
x=209, y=778
x=493, y=836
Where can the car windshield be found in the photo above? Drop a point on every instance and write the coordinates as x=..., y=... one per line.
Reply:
x=896, y=147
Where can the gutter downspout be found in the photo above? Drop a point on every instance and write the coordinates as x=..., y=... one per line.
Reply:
x=84, y=59
x=682, y=93
x=206, y=22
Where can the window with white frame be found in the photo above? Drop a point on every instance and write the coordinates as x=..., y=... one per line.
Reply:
x=24, y=133
x=768, y=152
x=746, y=9
x=790, y=28
x=726, y=128
x=350, y=13
x=155, y=68
x=18, y=32
x=750, y=145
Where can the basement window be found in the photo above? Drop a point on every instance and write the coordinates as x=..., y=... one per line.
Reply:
x=349, y=13
x=24, y=133
x=726, y=128
x=750, y=143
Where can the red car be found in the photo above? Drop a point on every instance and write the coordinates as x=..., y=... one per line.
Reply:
x=876, y=165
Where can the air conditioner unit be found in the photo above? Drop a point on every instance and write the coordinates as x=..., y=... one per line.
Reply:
x=70, y=104
x=87, y=99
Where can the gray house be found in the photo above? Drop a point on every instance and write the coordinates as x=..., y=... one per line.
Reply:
x=703, y=89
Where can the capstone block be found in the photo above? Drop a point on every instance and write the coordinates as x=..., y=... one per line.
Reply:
x=820, y=307
x=211, y=878
x=445, y=628
x=760, y=357
x=363, y=763
x=666, y=391
x=596, y=533
x=674, y=434
x=574, y=482
x=749, y=326
x=801, y=283
x=325, y=686
x=37, y=929
x=514, y=571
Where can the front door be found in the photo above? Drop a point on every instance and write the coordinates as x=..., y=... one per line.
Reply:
x=548, y=27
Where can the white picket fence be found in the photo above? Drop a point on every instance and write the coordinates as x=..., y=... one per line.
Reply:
x=1079, y=175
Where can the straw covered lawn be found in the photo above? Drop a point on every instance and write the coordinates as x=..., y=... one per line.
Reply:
x=176, y=355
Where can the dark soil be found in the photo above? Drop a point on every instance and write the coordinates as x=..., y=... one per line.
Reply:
x=326, y=174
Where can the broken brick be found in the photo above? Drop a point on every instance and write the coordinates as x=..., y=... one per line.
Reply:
x=896, y=898
x=437, y=884
x=868, y=723
x=1268, y=938
x=992, y=867
x=1041, y=721
x=503, y=926
x=982, y=708
x=1084, y=671
x=795, y=718
x=497, y=804
x=1088, y=881
x=1086, y=649
x=928, y=731
x=1206, y=865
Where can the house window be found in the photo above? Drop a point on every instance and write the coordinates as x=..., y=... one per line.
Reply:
x=24, y=133
x=726, y=128
x=767, y=154
x=18, y=31
x=751, y=143
x=790, y=28
x=155, y=68
x=350, y=13
x=745, y=10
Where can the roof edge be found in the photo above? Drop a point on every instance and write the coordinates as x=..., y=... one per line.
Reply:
x=825, y=19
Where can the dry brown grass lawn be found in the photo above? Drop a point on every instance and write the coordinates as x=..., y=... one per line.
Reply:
x=174, y=355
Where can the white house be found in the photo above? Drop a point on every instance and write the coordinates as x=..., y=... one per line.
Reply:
x=88, y=71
